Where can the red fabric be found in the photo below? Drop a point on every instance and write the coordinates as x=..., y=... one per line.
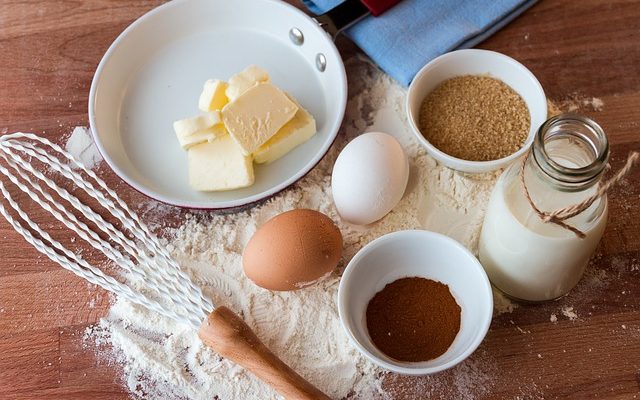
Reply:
x=377, y=7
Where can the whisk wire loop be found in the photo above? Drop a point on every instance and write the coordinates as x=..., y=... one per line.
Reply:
x=75, y=264
x=114, y=204
x=145, y=262
x=142, y=255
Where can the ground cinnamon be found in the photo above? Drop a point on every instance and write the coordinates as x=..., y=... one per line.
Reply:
x=413, y=319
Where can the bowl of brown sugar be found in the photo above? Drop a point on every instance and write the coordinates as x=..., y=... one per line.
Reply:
x=475, y=110
x=415, y=302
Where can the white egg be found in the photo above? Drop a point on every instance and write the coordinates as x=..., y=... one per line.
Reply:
x=369, y=177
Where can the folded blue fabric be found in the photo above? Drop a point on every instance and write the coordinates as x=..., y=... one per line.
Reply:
x=406, y=37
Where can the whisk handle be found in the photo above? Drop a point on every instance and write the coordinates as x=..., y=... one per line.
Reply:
x=227, y=334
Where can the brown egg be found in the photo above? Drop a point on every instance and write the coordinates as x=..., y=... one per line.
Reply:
x=293, y=250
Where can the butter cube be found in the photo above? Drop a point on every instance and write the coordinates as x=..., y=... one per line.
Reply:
x=244, y=80
x=219, y=165
x=205, y=135
x=295, y=132
x=191, y=125
x=198, y=129
x=256, y=115
x=213, y=96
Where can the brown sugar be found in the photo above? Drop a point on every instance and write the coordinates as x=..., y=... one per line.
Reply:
x=475, y=118
x=413, y=319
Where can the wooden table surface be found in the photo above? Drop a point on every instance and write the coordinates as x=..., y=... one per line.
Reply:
x=580, y=50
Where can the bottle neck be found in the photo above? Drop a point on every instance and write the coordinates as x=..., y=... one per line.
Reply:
x=570, y=152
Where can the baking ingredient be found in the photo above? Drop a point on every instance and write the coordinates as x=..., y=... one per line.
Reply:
x=163, y=360
x=519, y=273
x=369, y=177
x=219, y=165
x=476, y=118
x=295, y=132
x=413, y=319
x=188, y=126
x=244, y=80
x=256, y=115
x=199, y=129
x=264, y=122
x=293, y=250
x=213, y=95
x=568, y=312
x=501, y=303
x=205, y=135
x=81, y=146
x=524, y=256
x=577, y=103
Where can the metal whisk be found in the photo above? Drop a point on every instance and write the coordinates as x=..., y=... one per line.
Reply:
x=128, y=243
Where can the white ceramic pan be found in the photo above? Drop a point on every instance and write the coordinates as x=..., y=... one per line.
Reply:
x=154, y=71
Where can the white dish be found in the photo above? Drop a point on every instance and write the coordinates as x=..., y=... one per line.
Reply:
x=422, y=254
x=153, y=74
x=476, y=62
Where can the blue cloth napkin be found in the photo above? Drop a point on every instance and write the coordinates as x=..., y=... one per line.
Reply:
x=406, y=37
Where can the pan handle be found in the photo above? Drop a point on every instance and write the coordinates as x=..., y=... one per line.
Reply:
x=349, y=12
x=377, y=7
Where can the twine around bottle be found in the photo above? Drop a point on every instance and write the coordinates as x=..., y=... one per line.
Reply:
x=559, y=217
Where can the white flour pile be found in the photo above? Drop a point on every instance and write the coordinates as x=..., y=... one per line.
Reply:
x=81, y=146
x=163, y=360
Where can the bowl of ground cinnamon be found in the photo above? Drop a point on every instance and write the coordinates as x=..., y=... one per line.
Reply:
x=415, y=302
x=475, y=110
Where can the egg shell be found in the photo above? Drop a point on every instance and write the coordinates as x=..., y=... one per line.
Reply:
x=293, y=250
x=369, y=178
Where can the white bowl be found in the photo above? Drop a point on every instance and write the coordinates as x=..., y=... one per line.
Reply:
x=153, y=74
x=422, y=254
x=476, y=62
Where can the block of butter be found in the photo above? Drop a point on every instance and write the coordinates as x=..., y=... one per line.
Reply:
x=243, y=80
x=295, y=132
x=256, y=115
x=219, y=165
x=213, y=95
x=205, y=135
x=199, y=129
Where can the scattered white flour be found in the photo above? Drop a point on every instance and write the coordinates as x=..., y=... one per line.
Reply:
x=80, y=144
x=553, y=318
x=576, y=102
x=164, y=360
x=595, y=103
x=501, y=303
x=469, y=380
x=569, y=313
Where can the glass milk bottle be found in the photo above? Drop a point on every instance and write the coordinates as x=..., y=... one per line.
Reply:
x=525, y=257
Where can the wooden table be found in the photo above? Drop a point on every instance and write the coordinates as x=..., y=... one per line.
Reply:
x=578, y=49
